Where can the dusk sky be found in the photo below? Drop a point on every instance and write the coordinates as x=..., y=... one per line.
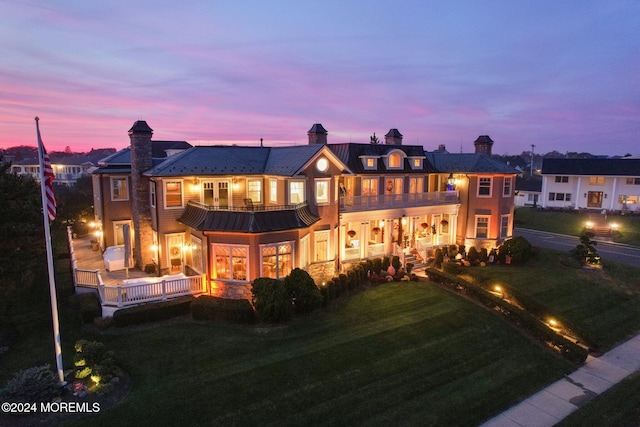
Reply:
x=563, y=75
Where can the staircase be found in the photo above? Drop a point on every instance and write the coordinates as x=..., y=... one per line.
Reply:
x=418, y=266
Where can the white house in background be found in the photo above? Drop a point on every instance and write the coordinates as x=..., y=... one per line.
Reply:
x=598, y=184
x=527, y=192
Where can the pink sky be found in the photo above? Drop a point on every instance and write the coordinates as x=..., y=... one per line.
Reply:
x=560, y=75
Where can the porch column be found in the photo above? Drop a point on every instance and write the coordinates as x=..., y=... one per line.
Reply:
x=388, y=231
x=364, y=239
x=612, y=196
x=342, y=241
x=578, y=195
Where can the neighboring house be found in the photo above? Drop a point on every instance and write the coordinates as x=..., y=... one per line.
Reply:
x=237, y=213
x=528, y=191
x=597, y=183
x=67, y=168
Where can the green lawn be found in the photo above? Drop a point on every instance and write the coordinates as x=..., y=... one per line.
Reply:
x=602, y=307
x=395, y=354
x=573, y=222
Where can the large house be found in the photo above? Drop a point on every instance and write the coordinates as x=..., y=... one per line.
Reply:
x=236, y=213
x=596, y=184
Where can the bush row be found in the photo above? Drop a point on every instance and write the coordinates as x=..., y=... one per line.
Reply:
x=87, y=305
x=519, y=317
x=153, y=312
x=213, y=308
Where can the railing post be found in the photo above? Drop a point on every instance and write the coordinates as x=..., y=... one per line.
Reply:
x=164, y=290
x=119, y=288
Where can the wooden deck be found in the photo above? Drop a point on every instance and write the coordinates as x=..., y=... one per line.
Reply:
x=88, y=259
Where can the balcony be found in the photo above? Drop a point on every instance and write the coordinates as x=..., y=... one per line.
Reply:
x=393, y=201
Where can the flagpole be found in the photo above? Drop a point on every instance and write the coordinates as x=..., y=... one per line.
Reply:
x=47, y=238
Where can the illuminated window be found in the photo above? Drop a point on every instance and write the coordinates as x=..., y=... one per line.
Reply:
x=296, y=192
x=395, y=161
x=370, y=163
x=482, y=227
x=369, y=186
x=119, y=188
x=322, y=191
x=416, y=163
x=273, y=190
x=633, y=181
x=173, y=194
x=277, y=260
x=254, y=190
x=195, y=255
x=596, y=180
x=416, y=185
x=230, y=262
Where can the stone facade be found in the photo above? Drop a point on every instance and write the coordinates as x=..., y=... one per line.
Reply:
x=141, y=160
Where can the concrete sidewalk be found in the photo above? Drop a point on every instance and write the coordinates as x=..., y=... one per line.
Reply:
x=552, y=404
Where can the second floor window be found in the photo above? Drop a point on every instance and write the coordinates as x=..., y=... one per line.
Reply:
x=119, y=189
x=395, y=161
x=296, y=192
x=484, y=187
x=254, y=190
x=369, y=186
x=562, y=179
x=506, y=190
x=322, y=191
x=596, y=180
x=152, y=193
x=273, y=190
x=173, y=194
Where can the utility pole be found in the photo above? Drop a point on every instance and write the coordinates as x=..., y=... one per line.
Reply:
x=532, y=147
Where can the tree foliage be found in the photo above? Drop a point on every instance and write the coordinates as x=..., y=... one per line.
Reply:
x=304, y=293
x=271, y=300
x=585, y=251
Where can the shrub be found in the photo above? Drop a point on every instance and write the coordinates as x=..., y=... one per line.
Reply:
x=439, y=258
x=368, y=269
x=87, y=305
x=333, y=292
x=452, y=251
x=342, y=282
x=386, y=262
x=213, y=308
x=271, y=300
x=585, y=251
x=518, y=248
x=484, y=255
x=463, y=250
x=409, y=266
x=452, y=268
x=36, y=384
x=377, y=265
x=92, y=360
x=351, y=280
x=395, y=262
x=303, y=291
x=473, y=256
x=153, y=312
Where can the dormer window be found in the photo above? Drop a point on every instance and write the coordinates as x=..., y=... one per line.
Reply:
x=370, y=163
x=395, y=161
x=416, y=163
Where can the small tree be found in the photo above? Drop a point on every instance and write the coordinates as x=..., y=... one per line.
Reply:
x=303, y=291
x=271, y=300
x=439, y=257
x=518, y=248
x=585, y=251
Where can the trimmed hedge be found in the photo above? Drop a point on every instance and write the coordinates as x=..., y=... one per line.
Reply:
x=208, y=307
x=88, y=306
x=153, y=311
x=517, y=316
x=271, y=300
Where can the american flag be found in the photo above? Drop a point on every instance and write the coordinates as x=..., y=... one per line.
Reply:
x=48, y=177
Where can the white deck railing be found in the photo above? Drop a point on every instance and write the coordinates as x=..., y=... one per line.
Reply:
x=389, y=201
x=137, y=291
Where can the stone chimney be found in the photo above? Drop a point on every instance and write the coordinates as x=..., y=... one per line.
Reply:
x=141, y=161
x=483, y=145
x=442, y=148
x=393, y=137
x=317, y=134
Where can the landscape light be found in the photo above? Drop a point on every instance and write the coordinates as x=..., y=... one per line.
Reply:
x=589, y=224
x=614, y=225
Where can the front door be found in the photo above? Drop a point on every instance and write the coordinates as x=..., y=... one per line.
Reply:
x=594, y=199
x=216, y=193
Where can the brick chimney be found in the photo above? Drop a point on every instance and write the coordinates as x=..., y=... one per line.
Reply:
x=393, y=137
x=317, y=134
x=483, y=145
x=141, y=161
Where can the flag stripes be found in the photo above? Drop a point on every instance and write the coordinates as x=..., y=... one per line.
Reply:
x=48, y=177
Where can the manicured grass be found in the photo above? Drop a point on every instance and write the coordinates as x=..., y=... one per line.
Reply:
x=572, y=223
x=395, y=354
x=617, y=407
x=602, y=307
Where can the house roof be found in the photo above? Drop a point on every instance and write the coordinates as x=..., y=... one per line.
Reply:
x=467, y=163
x=531, y=184
x=591, y=167
x=237, y=160
x=120, y=162
x=351, y=154
x=255, y=221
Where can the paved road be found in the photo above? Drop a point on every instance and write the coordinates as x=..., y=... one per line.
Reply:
x=608, y=251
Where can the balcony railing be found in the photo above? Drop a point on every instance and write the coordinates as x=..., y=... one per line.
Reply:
x=390, y=201
x=253, y=207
